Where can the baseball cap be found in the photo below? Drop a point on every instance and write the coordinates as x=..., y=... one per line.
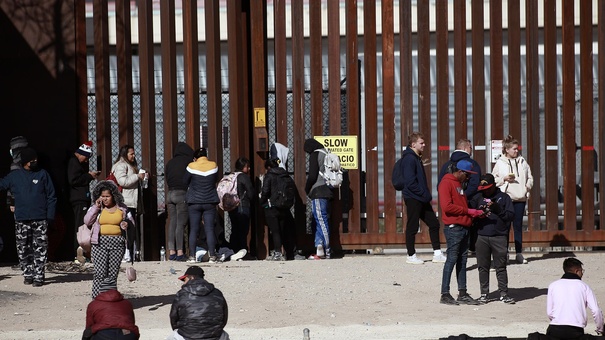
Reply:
x=193, y=270
x=465, y=166
x=487, y=181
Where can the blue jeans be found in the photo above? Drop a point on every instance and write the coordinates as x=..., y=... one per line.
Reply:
x=178, y=217
x=456, y=237
x=197, y=212
x=322, y=225
x=519, y=208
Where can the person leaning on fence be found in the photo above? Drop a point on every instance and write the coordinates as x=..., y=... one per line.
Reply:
x=199, y=310
x=178, y=215
x=240, y=217
x=126, y=171
x=320, y=195
x=456, y=218
x=566, y=303
x=201, y=178
x=417, y=198
x=277, y=217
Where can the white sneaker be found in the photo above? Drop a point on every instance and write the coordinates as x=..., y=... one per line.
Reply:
x=126, y=256
x=320, y=251
x=439, y=258
x=414, y=260
x=239, y=255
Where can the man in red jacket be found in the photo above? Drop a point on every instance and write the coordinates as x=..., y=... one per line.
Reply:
x=457, y=219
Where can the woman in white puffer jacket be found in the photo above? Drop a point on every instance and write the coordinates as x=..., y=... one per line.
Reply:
x=513, y=176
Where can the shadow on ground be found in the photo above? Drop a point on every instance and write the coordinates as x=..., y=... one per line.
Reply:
x=154, y=302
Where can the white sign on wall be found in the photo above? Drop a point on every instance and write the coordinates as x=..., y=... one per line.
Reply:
x=496, y=149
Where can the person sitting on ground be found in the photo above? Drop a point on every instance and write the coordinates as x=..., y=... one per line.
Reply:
x=199, y=311
x=110, y=316
x=566, y=303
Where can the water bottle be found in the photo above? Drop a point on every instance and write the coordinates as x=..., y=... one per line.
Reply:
x=162, y=254
x=306, y=334
x=145, y=178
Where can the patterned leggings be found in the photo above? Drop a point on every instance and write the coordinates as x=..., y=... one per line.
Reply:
x=107, y=257
x=32, y=246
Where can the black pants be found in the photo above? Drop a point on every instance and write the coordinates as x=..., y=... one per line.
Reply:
x=416, y=211
x=564, y=332
x=496, y=247
x=282, y=232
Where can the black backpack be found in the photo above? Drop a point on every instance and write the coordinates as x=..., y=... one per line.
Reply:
x=283, y=191
x=398, y=175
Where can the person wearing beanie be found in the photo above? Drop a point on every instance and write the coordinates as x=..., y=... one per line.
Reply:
x=79, y=177
x=35, y=204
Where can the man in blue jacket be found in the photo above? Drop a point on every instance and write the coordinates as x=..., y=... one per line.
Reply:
x=417, y=198
x=35, y=203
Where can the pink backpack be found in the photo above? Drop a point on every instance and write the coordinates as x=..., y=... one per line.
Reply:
x=227, y=192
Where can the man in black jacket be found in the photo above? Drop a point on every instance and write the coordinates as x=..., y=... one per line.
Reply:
x=79, y=177
x=199, y=310
x=492, y=241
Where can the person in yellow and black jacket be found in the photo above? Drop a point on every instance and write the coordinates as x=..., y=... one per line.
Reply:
x=201, y=178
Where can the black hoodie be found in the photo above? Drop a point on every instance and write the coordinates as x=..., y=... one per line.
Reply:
x=315, y=187
x=177, y=167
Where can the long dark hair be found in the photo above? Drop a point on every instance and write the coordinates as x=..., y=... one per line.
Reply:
x=241, y=162
x=123, y=154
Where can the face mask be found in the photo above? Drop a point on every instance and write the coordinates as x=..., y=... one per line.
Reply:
x=11, y=152
x=33, y=165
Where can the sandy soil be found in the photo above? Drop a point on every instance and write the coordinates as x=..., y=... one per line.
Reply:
x=356, y=297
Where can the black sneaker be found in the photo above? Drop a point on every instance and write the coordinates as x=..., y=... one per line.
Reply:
x=483, y=299
x=37, y=283
x=447, y=299
x=466, y=299
x=507, y=299
x=28, y=281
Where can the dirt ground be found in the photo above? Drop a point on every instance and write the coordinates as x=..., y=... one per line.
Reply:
x=355, y=297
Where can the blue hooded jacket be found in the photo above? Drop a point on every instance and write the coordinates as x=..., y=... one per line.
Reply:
x=34, y=194
x=415, y=185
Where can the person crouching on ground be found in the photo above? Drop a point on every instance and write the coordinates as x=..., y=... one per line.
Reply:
x=110, y=317
x=110, y=219
x=199, y=310
x=492, y=239
x=566, y=303
x=457, y=219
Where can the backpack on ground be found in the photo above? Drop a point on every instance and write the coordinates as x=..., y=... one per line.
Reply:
x=397, y=178
x=330, y=170
x=112, y=178
x=227, y=192
x=283, y=191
